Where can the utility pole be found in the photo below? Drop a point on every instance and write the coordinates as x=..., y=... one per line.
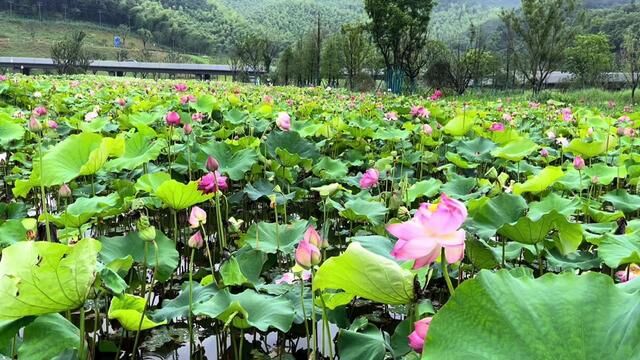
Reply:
x=10, y=8
x=40, y=10
x=100, y=17
x=319, y=49
x=64, y=7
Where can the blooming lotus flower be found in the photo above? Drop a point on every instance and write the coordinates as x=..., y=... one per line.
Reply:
x=627, y=109
x=52, y=124
x=267, y=99
x=90, y=116
x=369, y=179
x=34, y=125
x=419, y=112
x=629, y=132
x=187, y=128
x=551, y=135
x=37, y=94
x=3, y=77
x=212, y=182
x=567, y=114
x=184, y=100
x=419, y=334
x=314, y=238
x=172, y=118
x=562, y=141
x=289, y=102
x=195, y=241
x=290, y=277
x=432, y=228
x=427, y=129
x=497, y=127
x=391, y=116
x=578, y=163
x=40, y=111
x=283, y=121
x=632, y=269
x=181, y=87
x=197, y=117
x=197, y=217
x=436, y=95
x=307, y=255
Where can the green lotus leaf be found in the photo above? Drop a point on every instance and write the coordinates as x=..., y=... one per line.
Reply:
x=291, y=142
x=39, y=278
x=622, y=200
x=458, y=161
x=119, y=247
x=606, y=174
x=11, y=232
x=460, y=124
x=540, y=182
x=616, y=250
x=504, y=316
x=364, y=211
x=236, y=117
x=270, y=237
x=480, y=254
x=248, y=309
x=476, y=149
x=362, y=273
x=9, y=130
x=391, y=134
x=128, y=310
x=48, y=336
x=515, y=150
x=489, y=214
x=528, y=231
x=551, y=202
x=264, y=190
x=588, y=149
x=376, y=244
x=138, y=150
x=179, y=196
x=149, y=182
x=245, y=266
x=179, y=307
x=233, y=163
x=367, y=343
x=83, y=209
x=330, y=169
x=205, y=104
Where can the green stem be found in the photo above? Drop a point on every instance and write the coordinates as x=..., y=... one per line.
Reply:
x=169, y=150
x=189, y=155
x=325, y=323
x=209, y=255
x=43, y=194
x=314, y=324
x=148, y=297
x=304, y=311
x=191, y=303
x=82, y=331
x=445, y=271
x=175, y=225
x=223, y=243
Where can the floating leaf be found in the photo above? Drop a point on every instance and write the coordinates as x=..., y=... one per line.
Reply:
x=425, y=188
x=616, y=250
x=233, y=163
x=179, y=196
x=179, y=307
x=622, y=200
x=363, y=210
x=128, y=310
x=515, y=150
x=270, y=237
x=540, y=182
x=138, y=150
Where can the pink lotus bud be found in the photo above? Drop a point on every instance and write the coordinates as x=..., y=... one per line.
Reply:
x=40, y=111
x=391, y=116
x=419, y=335
x=427, y=129
x=507, y=117
x=212, y=164
x=195, y=241
x=122, y=102
x=620, y=131
x=497, y=127
x=313, y=237
x=172, y=118
x=595, y=180
x=307, y=255
x=187, y=129
x=283, y=121
x=544, y=152
x=52, y=124
x=197, y=117
x=578, y=163
x=34, y=125
x=64, y=191
x=197, y=217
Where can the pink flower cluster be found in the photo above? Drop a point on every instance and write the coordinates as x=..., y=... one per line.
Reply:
x=213, y=182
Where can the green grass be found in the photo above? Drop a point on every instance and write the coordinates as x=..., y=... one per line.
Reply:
x=32, y=38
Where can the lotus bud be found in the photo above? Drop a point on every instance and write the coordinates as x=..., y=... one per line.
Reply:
x=64, y=191
x=52, y=124
x=34, y=125
x=148, y=234
x=197, y=217
x=187, y=129
x=172, y=118
x=195, y=241
x=307, y=255
x=544, y=152
x=212, y=164
x=578, y=163
x=595, y=180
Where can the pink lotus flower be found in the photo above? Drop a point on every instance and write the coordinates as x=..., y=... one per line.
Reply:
x=90, y=116
x=534, y=105
x=197, y=117
x=212, y=164
x=419, y=112
x=267, y=99
x=64, y=191
x=184, y=100
x=624, y=119
x=290, y=278
x=289, y=102
x=391, y=116
x=544, y=152
x=172, y=118
x=195, y=241
x=283, y=121
x=427, y=129
x=197, y=217
x=313, y=237
x=369, y=179
x=567, y=114
x=627, y=108
x=629, y=132
x=187, y=128
x=633, y=271
x=34, y=125
x=181, y=87
x=3, y=77
x=307, y=255
x=433, y=227
x=497, y=127
x=212, y=182
x=578, y=163
x=419, y=334
x=562, y=141
x=436, y=95
x=40, y=111
x=507, y=117
x=52, y=124
x=122, y=102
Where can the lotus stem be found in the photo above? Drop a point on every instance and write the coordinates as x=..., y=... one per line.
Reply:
x=445, y=271
x=314, y=325
x=325, y=323
x=43, y=193
x=82, y=330
x=209, y=254
x=190, y=319
x=148, y=295
x=304, y=311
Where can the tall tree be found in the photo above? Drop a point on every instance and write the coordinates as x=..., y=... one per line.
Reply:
x=631, y=58
x=589, y=58
x=356, y=50
x=399, y=29
x=545, y=28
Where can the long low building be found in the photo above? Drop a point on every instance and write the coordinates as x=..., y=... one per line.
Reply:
x=204, y=71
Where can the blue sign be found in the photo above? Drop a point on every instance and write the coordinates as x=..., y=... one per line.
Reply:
x=117, y=42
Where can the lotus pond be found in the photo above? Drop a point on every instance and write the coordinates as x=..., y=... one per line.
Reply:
x=169, y=220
